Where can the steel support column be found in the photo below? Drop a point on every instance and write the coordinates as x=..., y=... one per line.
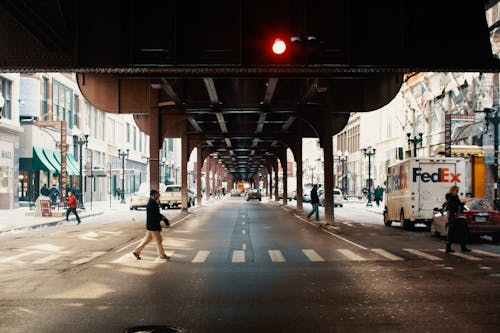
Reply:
x=184, y=174
x=328, y=176
x=298, y=161
x=154, y=141
x=276, y=182
x=207, y=178
x=199, y=163
x=285, y=178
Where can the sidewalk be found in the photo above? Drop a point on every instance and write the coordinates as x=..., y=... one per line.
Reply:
x=23, y=218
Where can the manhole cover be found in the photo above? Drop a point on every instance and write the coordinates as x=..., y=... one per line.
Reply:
x=153, y=329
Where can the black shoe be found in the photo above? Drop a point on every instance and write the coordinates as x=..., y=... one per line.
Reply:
x=138, y=257
x=464, y=249
x=165, y=258
x=448, y=249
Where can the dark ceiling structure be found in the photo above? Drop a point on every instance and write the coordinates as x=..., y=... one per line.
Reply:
x=213, y=76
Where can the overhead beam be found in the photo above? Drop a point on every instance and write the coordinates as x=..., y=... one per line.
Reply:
x=270, y=88
x=310, y=92
x=260, y=123
x=222, y=122
x=195, y=125
x=167, y=88
x=211, y=90
x=288, y=123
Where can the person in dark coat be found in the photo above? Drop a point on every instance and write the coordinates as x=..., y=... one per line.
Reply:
x=45, y=190
x=314, y=203
x=54, y=194
x=457, y=227
x=153, y=226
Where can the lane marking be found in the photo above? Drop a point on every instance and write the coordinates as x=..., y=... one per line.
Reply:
x=312, y=255
x=463, y=255
x=276, y=256
x=423, y=254
x=124, y=258
x=351, y=255
x=129, y=245
x=486, y=253
x=46, y=259
x=344, y=239
x=387, y=254
x=238, y=256
x=244, y=246
x=89, y=258
x=201, y=257
x=243, y=231
x=16, y=257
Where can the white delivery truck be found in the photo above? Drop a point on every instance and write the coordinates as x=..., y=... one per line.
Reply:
x=417, y=185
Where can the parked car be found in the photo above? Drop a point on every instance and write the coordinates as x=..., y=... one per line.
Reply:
x=479, y=214
x=235, y=193
x=254, y=194
x=140, y=198
x=338, y=198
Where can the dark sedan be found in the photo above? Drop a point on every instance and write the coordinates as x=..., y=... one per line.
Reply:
x=254, y=194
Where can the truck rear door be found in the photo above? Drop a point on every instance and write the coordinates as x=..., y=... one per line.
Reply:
x=433, y=182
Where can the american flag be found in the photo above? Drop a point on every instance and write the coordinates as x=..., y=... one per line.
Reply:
x=424, y=97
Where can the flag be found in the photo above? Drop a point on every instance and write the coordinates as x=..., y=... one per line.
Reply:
x=424, y=97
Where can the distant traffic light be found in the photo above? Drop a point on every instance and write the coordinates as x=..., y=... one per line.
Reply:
x=279, y=46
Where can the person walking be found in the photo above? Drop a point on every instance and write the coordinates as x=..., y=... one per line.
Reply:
x=72, y=204
x=314, y=202
x=457, y=227
x=153, y=226
x=45, y=190
x=379, y=193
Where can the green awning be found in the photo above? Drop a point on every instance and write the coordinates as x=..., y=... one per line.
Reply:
x=49, y=154
x=40, y=162
x=70, y=167
x=70, y=161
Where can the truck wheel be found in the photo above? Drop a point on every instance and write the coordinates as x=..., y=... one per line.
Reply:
x=387, y=223
x=405, y=223
x=434, y=232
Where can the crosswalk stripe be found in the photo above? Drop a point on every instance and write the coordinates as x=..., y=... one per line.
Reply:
x=463, y=255
x=276, y=256
x=351, y=255
x=238, y=256
x=423, y=254
x=312, y=255
x=201, y=257
x=486, y=253
x=124, y=258
x=18, y=256
x=89, y=258
x=386, y=254
x=46, y=259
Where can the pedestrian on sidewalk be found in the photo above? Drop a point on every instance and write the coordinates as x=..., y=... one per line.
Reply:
x=153, y=226
x=72, y=204
x=379, y=194
x=314, y=202
x=457, y=226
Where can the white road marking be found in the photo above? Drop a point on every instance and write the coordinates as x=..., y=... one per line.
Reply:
x=45, y=247
x=16, y=257
x=312, y=255
x=89, y=258
x=344, y=239
x=244, y=246
x=276, y=256
x=423, y=254
x=487, y=253
x=238, y=256
x=386, y=254
x=351, y=255
x=463, y=255
x=46, y=259
x=129, y=245
x=201, y=257
x=243, y=231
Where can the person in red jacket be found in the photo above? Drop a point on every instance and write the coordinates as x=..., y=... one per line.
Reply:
x=72, y=204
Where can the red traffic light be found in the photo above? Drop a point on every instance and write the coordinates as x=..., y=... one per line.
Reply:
x=279, y=46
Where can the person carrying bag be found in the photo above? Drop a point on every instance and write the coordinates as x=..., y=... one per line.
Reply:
x=457, y=225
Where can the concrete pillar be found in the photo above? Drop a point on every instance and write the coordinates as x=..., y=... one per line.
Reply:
x=300, y=187
x=328, y=172
x=212, y=171
x=276, y=181
x=184, y=174
x=207, y=178
x=285, y=178
x=199, y=163
x=154, y=141
x=270, y=182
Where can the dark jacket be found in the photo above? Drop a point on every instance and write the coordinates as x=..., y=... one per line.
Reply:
x=153, y=216
x=453, y=203
x=314, y=197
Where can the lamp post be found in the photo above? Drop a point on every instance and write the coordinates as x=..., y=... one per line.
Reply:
x=312, y=168
x=123, y=155
x=162, y=167
x=369, y=152
x=342, y=159
x=493, y=117
x=80, y=141
x=416, y=140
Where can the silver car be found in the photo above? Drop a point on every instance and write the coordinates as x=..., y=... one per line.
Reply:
x=338, y=198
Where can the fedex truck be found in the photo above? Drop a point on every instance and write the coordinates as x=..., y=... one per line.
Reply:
x=417, y=185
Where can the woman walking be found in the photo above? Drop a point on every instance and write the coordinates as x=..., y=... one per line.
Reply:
x=457, y=227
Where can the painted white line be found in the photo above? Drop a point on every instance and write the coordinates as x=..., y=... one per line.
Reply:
x=238, y=256
x=89, y=258
x=18, y=256
x=129, y=245
x=386, y=254
x=243, y=231
x=486, y=253
x=351, y=255
x=276, y=256
x=312, y=255
x=201, y=257
x=46, y=259
x=423, y=254
x=124, y=258
x=244, y=246
x=242, y=222
x=463, y=255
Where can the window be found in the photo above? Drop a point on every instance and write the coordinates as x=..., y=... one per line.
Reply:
x=45, y=97
x=76, y=122
x=140, y=141
x=62, y=103
x=135, y=138
x=6, y=92
x=171, y=144
x=128, y=133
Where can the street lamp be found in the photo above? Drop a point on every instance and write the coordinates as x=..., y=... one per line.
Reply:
x=369, y=152
x=312, y=168
x=342, y=158
x=80, y=141
x=123, y=155
x=162, y=167
x=416, y=140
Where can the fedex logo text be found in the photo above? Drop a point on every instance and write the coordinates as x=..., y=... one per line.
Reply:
x=443, y=175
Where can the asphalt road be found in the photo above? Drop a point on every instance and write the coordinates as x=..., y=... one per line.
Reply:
x=245, y=267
